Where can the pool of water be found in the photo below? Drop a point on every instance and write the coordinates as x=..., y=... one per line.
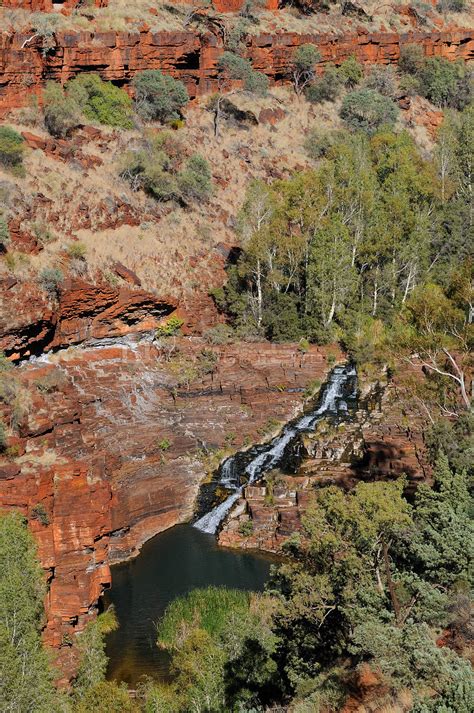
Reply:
x=168, y=566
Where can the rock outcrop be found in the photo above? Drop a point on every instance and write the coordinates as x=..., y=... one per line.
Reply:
x=31, y=323
x=113, y=443
x=192, y=56
x=376, y=443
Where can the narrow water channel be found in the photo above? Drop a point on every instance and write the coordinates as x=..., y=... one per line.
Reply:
x=168, y=566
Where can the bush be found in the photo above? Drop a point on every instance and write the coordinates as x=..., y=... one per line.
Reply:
x=77, y=251
x=158, y=96
x=101, y=101
x=445, y=83
x=452, y=6
x=351, y=72
x=3, y=438
x=325, y=88
x=303, y=65
x=412, y=58
x=170, y=328
x=220, y=334
x=61, y=114
x=383, y=80
x=367, y=110
x=4, y=234
x=318, y=143
x=236, y=67
x=194, y=181
x=12, y=147
x=38, y=512
x=50, y=279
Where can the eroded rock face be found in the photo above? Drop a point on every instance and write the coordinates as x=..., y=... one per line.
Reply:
x=192, y=57
x=377, y=443
x=114, y=442
x=31, y=323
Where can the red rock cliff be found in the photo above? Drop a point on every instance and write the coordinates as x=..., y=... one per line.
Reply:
x=192, y=56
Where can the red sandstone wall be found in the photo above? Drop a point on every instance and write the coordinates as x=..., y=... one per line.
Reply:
x=191, y=57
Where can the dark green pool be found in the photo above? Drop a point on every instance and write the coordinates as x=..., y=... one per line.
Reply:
x=169, y=565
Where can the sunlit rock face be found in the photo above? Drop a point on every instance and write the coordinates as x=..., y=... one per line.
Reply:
x=114, y=442
x=192, y=57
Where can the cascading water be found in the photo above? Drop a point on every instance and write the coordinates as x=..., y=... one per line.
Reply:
x=333, y=402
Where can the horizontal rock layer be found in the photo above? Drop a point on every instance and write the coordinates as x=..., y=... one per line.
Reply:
x=192, y=56
x=114, y=442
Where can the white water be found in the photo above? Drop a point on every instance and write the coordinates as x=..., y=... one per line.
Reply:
x=332, y=403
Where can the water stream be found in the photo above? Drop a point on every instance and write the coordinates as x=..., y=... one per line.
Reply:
x=339, y=388
x=187, y=556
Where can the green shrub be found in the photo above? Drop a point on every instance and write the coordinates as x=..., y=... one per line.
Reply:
x=4, y=234
x=158, y=96
x=246, y=528
x=61, y=113
x=412, y=58
x=220, y=334
x=170, y=328
x=445, y=83
x=236, y=67
x=50, y=279
x=452, y=5
x=383, y=80
x=101, y=101
x=3, y=438
x=367, y=110
x=164, y=444
x=325, y=88
x=38, y=512
x=12, y=147
x=303, y=65
x=318, y=143
x=194, y=181
x=77, y=251
x=351, y=72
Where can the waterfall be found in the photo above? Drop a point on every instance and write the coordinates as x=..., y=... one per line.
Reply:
x=332, y=402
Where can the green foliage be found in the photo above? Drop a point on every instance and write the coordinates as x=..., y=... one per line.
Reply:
x=4, y=234
x=3, y=438
x=221, y=646
x=383, y=80
x=93, y=660
x=325, y=88
x=246, y=528
x=351, y=72
x=303, y=65
x=445, y=83
x=170, y=328
x=164, y=444
x=38, y=512
x=220, y=334
x=61, y=113
x=158, y=168
x=100, y=101
x=50, y=280
x=106, y=697
x=367, y=109
x=452, y=5
x=234, y=66
x=12, y=147
x=25, y=675
x=412, y=58
x=77, y=250
x=195, y=179
x=158, y=97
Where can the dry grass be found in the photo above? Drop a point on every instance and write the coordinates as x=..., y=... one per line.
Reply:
x=129, y=15
x=172, y=249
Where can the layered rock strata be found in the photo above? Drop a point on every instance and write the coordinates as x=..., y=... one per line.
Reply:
x=113, y=444
x=376, y=443
x=192, y=56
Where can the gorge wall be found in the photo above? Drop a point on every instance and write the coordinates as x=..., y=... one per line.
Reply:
x=192, y=55
x=114, y=441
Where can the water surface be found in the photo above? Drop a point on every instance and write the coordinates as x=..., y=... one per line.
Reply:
x=168, y=566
